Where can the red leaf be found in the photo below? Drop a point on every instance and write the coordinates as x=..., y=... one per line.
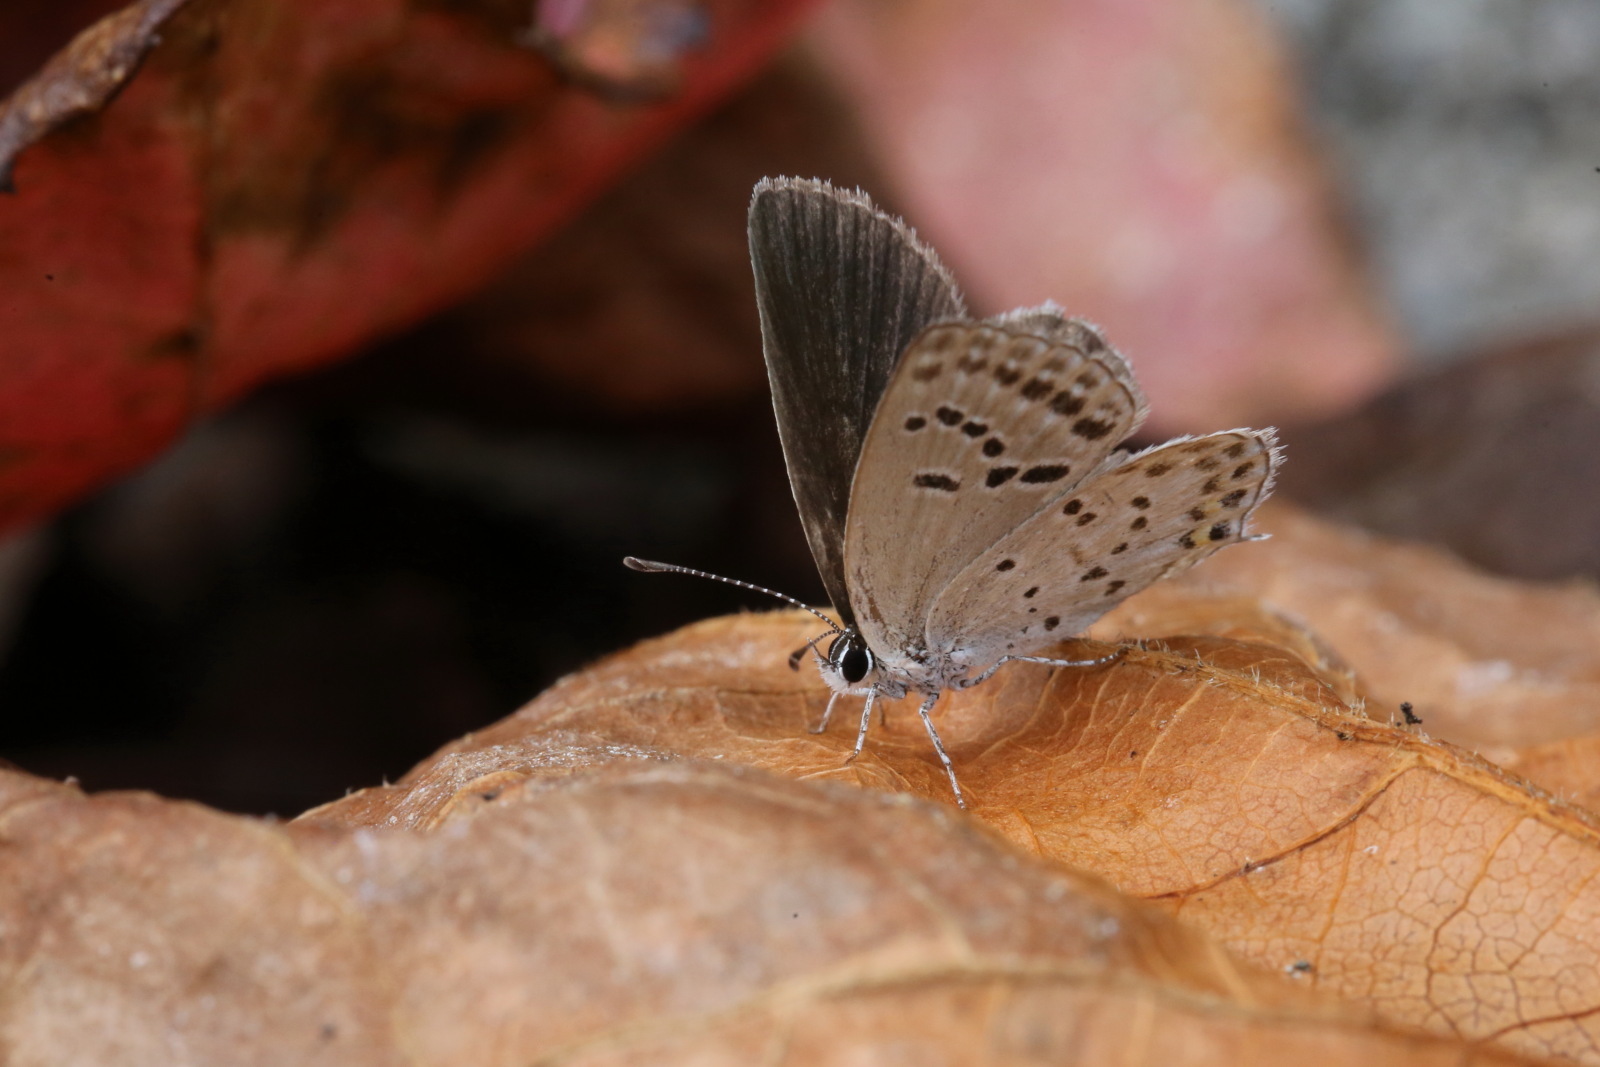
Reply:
x=283, y=181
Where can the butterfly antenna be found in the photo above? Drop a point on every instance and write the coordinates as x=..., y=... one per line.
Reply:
x=649, y=566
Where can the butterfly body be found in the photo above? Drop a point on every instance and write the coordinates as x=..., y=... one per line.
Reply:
x=963, y=484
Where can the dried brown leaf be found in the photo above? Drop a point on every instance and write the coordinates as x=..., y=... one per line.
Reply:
x=1568, y=768
x=1485, y=661
x=615, y=875
x=647, y=912
x=1229, y=780
x=145, y=931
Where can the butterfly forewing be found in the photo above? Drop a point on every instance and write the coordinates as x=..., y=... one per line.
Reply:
x=842, y=288
x=1159, y=513
x=981, y=425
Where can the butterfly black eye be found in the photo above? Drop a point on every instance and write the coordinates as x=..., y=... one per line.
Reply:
x=855, y=663
x=851, y=657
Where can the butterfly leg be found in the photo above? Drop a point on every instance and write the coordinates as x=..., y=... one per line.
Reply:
x=866, y=721
x=822, y=727
x=968, y=683
x=938, y=746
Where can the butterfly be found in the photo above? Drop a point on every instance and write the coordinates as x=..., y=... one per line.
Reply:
x=960, y=481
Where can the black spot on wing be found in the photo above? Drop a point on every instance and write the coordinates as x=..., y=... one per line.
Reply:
x=999, y=476
x=1111, y=590
x=1092, y=573
x=1072, y=507
x=973, y=428
x=926, y=372
x=1092, y=429
x=948, y=415
x=1156, y=470
x=1045, y=473
x=972, y=363
x=1219, y=531
x=1138, y=524
x=1066, y=403
x=993, y=447
x=1232, y=499
x=1037, y=389
x=1140, y=502
x=1086, y=518
x=1052, y=621
x=1005, y=565
x=1008, y=373
x=915, y=423
x=942, y=482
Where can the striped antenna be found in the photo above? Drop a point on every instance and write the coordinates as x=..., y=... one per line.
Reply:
x=652, y=567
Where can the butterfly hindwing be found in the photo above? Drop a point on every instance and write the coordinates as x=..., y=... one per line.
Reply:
x=981, y=425
x=1158, y=513
x=842, y=288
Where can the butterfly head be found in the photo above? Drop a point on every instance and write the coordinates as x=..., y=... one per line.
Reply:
x=851, y=665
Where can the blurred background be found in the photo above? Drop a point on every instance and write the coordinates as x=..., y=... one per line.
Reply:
x=343, y=355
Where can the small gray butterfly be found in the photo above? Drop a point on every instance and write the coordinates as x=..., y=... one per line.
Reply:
x=959, y=481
